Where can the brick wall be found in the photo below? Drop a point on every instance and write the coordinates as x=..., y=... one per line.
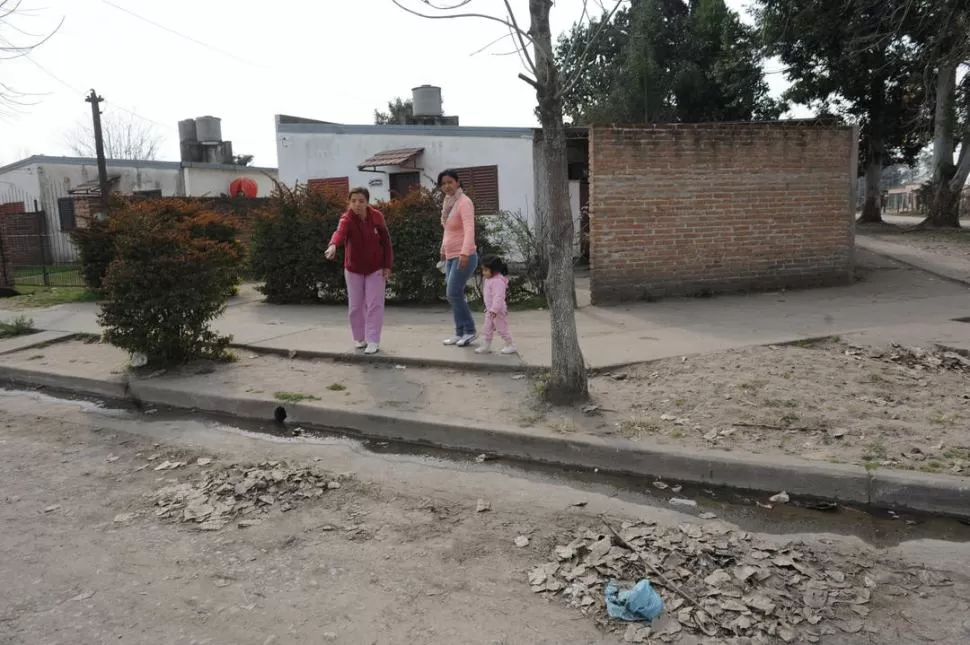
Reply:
x=21, y=240
x=680, y=209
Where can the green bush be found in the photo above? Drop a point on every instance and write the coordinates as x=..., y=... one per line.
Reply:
x=96, y=248
x=287, y=246
x=289, y=240
x=95, y=238
x=175, y=265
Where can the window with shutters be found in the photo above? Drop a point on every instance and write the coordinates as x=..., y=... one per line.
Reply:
x=339, y=186
x=481, y=184
x=65, y=210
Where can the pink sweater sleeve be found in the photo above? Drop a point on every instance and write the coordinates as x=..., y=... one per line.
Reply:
x=496, y=301
x=466, y=210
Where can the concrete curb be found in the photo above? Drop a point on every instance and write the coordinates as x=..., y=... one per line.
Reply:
x=923, y=492
x=387, y=359
x=78, y=385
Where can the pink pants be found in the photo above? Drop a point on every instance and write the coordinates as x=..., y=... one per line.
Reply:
x=365, y=296
x=498, y=323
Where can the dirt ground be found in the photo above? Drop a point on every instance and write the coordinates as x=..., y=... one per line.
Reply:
x=397, y=554
x=879, y=407
x=86, y=560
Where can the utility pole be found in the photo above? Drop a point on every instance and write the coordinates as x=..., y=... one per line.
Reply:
x=95, y=102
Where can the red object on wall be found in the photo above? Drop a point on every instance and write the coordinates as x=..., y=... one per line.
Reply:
x=243, y=185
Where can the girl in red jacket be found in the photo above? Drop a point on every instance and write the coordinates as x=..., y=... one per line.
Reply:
x=368, y=259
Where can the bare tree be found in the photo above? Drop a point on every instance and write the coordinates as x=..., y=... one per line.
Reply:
x=568, y=382
x=16, y=42
x=125, y=137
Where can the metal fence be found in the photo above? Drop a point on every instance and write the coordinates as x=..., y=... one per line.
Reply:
x=36, y=249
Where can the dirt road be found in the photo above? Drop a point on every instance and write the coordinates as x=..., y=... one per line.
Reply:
x=396, y=554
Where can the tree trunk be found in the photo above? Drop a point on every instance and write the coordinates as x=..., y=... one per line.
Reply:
x=943, y=210
x=568, y=382
x=872, y=208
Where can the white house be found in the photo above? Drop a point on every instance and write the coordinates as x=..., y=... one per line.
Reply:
x=52, y=183
x=497, y=165
x=494, y=163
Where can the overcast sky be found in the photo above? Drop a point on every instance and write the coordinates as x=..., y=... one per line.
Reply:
x=245, y=61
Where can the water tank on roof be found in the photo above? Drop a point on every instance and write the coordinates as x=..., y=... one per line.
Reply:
x=187, y=131
x=208, y=129
x=426, y=100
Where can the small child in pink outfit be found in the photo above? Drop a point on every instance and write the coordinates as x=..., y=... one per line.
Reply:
x=495, y=272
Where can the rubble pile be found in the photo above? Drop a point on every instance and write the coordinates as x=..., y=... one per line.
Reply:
x=717, y=583
x=240, y=491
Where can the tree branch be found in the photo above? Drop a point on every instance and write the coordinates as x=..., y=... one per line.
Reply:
x=482, y=16
x=530, y=81
x=509, y=23
x=530, y=66
x=570, y=83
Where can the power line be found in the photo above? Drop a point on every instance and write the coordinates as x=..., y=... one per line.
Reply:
x=83, y=93
x=180, y=34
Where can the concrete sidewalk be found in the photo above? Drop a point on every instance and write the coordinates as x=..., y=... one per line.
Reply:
x=887, y=294
x=948, y=267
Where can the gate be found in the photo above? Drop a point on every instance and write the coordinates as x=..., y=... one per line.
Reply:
x=31, y=253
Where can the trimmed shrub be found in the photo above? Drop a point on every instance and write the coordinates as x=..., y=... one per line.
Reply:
x=95, y=239
x=287, y=247
x=288, y=244
x=289, y=240
x=175, y=266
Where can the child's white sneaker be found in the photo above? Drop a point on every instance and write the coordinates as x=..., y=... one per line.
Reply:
x=509, y=349
x=484, y=349
x=372, y=348
x=360, y=344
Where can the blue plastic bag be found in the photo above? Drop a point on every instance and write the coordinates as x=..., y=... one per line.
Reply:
x=641, y=603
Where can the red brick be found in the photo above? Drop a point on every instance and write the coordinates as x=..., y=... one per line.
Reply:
x=685, y=208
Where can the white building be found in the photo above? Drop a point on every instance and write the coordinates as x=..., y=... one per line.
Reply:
x=51, y=184
x=498, y=166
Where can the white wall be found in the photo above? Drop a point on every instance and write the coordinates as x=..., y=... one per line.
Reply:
x=19, y=184
x=212, y=182
x=64, y=177
x=317, y=155
x=50, y=179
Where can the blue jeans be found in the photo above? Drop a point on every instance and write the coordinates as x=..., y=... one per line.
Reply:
x=455, y=281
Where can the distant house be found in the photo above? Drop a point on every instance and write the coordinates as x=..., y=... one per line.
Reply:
x=499, y=166
x=63, y=187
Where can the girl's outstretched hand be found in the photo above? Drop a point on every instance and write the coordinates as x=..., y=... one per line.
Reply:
x=331, y=252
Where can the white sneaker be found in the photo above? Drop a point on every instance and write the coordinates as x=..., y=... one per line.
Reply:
x=484, y=349
x=454, y=340
x=360, y=344
x=509, y=349
x=372, y=348
x=467, y=340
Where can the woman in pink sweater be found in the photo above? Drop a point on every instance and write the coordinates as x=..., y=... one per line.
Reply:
x=459, y=253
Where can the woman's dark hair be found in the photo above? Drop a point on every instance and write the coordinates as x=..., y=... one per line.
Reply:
x=359, y=190
x=495, y=264
x=449, y=173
